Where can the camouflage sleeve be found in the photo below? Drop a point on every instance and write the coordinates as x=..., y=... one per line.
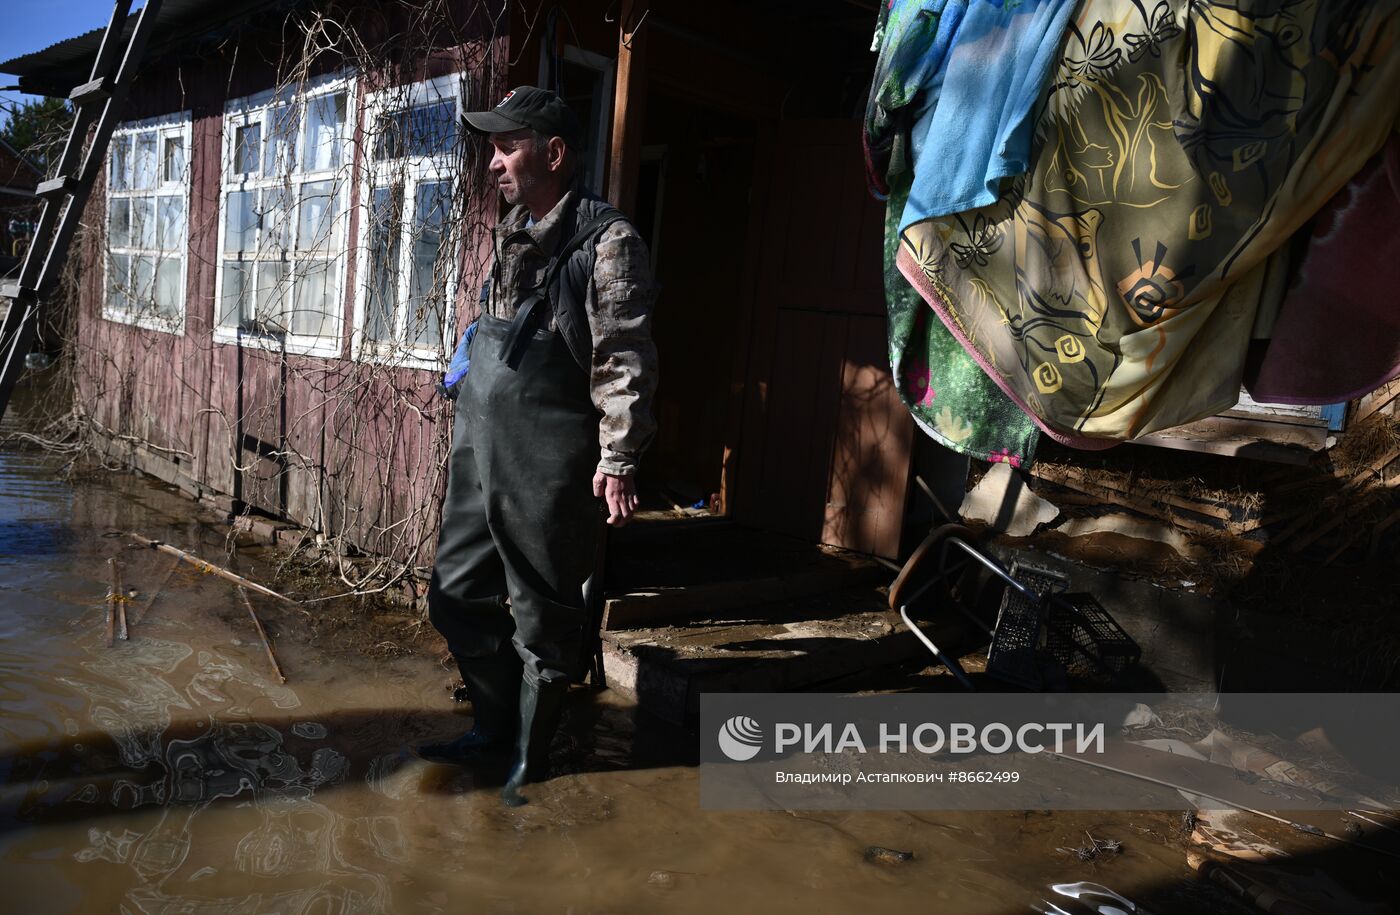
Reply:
x=624, y=356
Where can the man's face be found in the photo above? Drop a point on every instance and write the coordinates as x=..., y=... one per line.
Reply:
x=518, y=167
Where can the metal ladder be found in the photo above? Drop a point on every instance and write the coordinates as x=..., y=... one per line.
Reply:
x=65, y=196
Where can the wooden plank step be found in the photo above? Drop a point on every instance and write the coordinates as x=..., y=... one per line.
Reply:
x=790, y=646
x=56, y=187
x=670, y=606
x=97, y=90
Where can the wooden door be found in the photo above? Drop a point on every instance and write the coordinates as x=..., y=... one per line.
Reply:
x=824, y=452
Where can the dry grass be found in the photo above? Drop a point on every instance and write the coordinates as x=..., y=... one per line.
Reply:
x=1094, y=849
x=1218, y=560
x=1351, y=481
x=1365, y=443
x=1162, y=488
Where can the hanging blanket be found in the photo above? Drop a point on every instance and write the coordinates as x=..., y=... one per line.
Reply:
x=961, y=77
x=1112, y=290
x=1338, y=331
x=952, y=399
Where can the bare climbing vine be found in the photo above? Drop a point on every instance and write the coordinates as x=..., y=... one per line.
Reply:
x=351, y=215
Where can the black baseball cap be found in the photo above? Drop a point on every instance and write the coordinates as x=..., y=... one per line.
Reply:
x=530, y=107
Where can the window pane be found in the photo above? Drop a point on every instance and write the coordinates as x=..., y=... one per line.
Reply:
x=143, y=223
x=428, y=281
x=143, y=282
x=273, y=298
x=427, y=130
x=170, y=233
x=434, y=129
x=385, y=214
x=389, y=132
x=144, y=166
x=169, y=290
x=316, y=217
x=118, y=280
x=173, y=160
x=121, y=163
x=325, y=118
x=240, y=222
x=276, y=221
x=119, y=222
x=247, y=142
x=312, y=299
x=280, y=156
x=233, y=310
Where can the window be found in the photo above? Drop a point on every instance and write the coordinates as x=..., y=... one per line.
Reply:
x=407, y=233
x=282, y=218
x=147, y=199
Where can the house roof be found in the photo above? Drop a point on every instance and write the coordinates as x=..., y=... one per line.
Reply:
x=182, y=26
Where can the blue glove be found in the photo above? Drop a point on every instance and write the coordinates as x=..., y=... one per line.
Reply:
x=461, y=362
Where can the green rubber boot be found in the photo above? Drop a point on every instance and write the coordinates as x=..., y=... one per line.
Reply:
x=494, y=686
x=541, y=707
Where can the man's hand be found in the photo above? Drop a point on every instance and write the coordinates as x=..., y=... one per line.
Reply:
x=620, y=493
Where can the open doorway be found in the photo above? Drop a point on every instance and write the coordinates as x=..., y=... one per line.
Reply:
x=693, y=207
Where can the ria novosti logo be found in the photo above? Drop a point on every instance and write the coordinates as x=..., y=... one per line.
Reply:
x=740, y=738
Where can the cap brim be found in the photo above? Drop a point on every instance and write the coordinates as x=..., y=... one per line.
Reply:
x=490, y=122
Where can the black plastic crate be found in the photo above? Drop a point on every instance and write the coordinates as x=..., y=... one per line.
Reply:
x=1014, y=653
x=1079, y=631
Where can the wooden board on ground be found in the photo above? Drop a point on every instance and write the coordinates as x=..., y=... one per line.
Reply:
x=1071, y=477
x=1285, y=443
x=1376, y=401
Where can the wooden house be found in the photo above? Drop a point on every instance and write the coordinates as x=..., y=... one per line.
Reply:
x=293, y=227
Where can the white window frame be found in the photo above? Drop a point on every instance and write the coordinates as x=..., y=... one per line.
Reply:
x=261, y=109
x=411, y=171
x=177, y=124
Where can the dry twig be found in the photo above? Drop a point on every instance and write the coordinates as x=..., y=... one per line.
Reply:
x=262, y=634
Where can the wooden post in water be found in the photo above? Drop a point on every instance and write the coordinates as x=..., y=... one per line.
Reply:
x=118, y=598
x=111, y=603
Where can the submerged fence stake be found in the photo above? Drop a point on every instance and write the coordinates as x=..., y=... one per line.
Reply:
x=263, y=634
x=118, y=599
x=207, y=566
x=112, y=603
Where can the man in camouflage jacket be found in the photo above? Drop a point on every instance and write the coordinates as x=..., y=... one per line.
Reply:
x=551, y=420
x=618, y=304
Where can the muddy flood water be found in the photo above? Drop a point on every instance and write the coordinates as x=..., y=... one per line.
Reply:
x=173, y=773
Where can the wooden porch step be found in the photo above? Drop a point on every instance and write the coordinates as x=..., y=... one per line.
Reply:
x=778, y=647
x=672, y=606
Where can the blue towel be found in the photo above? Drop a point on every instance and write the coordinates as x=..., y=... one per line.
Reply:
x=913, y=39
x=974, y=126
